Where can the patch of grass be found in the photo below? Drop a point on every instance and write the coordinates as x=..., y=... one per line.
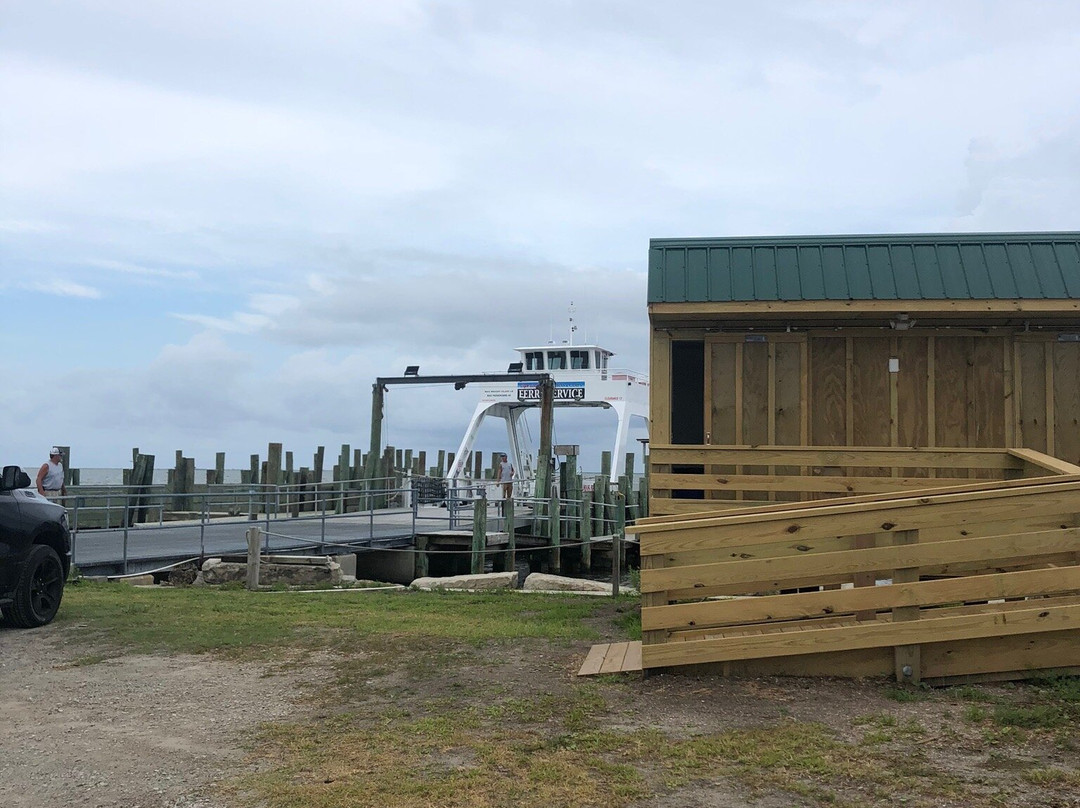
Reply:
x=452, y=762
x=968, y=693
x=975, y=713
x=905, y=694
x=1053, y=777
x=244, y=624
x=89, y=659
x=1039, y=716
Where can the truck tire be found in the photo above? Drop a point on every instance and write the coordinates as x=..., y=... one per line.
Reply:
x=39, y=588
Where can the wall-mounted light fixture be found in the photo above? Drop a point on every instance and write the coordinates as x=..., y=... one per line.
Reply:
x=902, y=322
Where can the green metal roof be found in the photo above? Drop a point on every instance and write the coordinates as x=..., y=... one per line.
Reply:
x=972, y=266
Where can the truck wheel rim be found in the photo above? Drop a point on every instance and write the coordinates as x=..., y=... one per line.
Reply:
x=46, y=588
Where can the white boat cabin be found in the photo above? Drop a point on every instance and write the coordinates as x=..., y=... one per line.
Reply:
x=583, y=376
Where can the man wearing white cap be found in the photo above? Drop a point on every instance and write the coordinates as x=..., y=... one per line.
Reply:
x=50, y=477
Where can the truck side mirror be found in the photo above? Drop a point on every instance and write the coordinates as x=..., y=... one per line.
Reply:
x=13, y=477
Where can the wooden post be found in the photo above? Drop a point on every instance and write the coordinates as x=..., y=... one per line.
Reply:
x=572, y=498
x=317, y=464
x=479, y=535
x=617, y=544
x=865, y=541
x=253, y=558
x=375, y=446
x=586, y=533
x=608, y=508
x=420, y=567
x=511, y=535
x=342, y=472
x=553, y=532
x=543, y=465
x=254, y=470
x=907, y=658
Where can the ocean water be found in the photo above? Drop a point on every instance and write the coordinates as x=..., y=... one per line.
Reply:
x=92, y=476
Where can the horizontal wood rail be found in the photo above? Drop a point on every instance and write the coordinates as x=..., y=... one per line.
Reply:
x=912, y=583
x=690, y=479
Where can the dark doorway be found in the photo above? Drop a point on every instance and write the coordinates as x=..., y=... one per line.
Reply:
x=688, y=403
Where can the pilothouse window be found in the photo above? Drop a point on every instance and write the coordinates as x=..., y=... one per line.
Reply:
x=534, y=360
x=557, y=360
x=579, y=360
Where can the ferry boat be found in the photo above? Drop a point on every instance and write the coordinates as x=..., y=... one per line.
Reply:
x=583, y=377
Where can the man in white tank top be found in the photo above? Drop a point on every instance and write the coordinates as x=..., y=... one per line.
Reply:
x=50, y=477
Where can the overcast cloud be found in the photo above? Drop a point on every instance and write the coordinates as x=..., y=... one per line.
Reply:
x=220, y=221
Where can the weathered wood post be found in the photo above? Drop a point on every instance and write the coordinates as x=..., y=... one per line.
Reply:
x=273, y=477
x=907, y=658
x=219, y=468
x=586, y=532
x=617, y=543
x=378, y=394
x=543, y=464
x=341, y=472
x=420, y=566
x=479, y=535
x=553, y=531
x=572, y=497
x=253, y=558
x=511, y=535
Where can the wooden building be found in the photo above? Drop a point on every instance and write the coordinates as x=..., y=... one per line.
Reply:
x=968, y=340
x=829, y=414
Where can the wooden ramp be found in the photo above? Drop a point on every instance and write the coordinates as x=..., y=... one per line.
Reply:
x=615, y=657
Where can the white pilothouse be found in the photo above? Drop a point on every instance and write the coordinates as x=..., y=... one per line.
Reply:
x=583, y=377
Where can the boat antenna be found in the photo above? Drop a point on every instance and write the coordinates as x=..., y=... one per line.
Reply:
x=573, y=327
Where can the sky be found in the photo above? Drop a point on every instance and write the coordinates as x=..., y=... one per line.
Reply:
x=221, y=221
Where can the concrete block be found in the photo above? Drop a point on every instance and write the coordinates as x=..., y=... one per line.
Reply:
x=542, y=582
x=492, y=580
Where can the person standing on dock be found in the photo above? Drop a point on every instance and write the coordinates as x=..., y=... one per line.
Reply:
x=504, y=473
x=50, y=477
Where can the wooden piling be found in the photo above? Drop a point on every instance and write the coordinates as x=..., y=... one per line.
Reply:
x=420, y=567
x=253, y=558
x=511, y=535
x=554, y=531
x=586, y=524
x=479, y=536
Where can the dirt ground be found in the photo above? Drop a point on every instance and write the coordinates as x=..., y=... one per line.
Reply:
x=141, y=731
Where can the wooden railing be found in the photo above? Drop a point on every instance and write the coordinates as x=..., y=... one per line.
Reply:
x=975, y=579
x=688, y=479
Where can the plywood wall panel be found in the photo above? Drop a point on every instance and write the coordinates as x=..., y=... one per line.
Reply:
x=721, y=425
x=756, y=412
x=870, y=391
x=988, y=357
x=952, y=356
x=787, y=398
x=1032, y=376
x=911, y=389
x=660, y=387
x=788, y=394
x=1066, y=357
x=828, y=392
x=755, y=393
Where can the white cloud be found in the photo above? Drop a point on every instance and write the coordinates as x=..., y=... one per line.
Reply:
x=144, y=271
x=63, y=288
x=277, y=202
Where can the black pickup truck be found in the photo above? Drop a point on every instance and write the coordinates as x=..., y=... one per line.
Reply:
x=35, y=552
